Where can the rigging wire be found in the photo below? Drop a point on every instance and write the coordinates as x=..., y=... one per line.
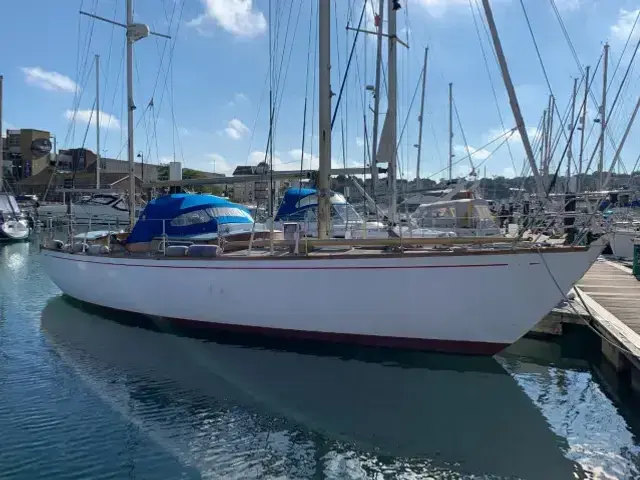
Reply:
x=306, y=95
x=564, y=30
x=464, y=138
x=486, y=64
x=506, y=134
x=346, y=73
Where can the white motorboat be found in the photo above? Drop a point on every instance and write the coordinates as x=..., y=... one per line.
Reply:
x=621, y=242
x=98, y=209
x=300, y=205
x=14, y=225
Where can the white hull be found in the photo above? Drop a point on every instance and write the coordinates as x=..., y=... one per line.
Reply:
x=453, y=302
x=622, y=243
x=14, y=231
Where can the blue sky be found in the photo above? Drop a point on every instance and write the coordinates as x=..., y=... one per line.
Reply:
x=210, y=109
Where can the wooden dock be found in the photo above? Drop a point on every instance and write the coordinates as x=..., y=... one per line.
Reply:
x=611, y=296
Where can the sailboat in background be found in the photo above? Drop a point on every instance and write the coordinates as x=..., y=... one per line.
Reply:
x=426, y=299
x=14, y=225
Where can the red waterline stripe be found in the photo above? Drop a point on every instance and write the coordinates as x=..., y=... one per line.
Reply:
x=467, y=347
x=448, y=346
x=369, y=267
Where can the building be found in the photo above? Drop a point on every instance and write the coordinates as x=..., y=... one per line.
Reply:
x=145, y=171
x=47, y=183
x=21, y=160
x=84, y=160
x=254, y=191
x=76, y=168
x=5, y=163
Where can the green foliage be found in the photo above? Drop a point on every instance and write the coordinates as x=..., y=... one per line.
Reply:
x=188, y=174
x=498, y=187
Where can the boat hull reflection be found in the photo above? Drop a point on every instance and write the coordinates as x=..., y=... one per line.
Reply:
x=449, y=410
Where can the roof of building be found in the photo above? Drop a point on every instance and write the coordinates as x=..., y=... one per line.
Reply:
x=244, y=170
x=80, y=178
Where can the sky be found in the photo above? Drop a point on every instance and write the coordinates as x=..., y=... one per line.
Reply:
x=202, y=97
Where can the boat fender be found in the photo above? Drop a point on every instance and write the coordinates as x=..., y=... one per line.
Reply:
x=176, y=251
x=79, y=247
x=98, y=249
x=57, y=244
x=208, y=251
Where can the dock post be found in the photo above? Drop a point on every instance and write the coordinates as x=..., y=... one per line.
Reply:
x=569, y=217
x=614, y=356
x=636, y=258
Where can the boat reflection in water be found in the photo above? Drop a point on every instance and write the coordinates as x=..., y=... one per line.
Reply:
x=237, y=410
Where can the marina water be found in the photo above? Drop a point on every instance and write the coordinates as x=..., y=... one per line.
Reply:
x=91, y=393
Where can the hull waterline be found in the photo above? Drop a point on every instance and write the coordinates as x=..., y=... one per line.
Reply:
x=468, y=303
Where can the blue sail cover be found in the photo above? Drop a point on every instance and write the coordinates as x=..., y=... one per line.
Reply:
x=186, y=215
x=289, y=205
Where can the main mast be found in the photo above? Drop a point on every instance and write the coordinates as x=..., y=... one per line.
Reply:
x=450, y=162
x=583, y=119
x=603, y=117
x=130, y=108
x=513, y=99
x=97, y=121
x=421, y=117
x=376, y=101
x=392, y=6
x=324, y=114
x=572, y=126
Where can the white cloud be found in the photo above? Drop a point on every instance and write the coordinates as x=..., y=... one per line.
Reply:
x=623, y=26
x=237, y=17
x=476, y=154
x=360, y=142
x=84, y=116
x=369, y=16
x=236, y=129
x=238, y=99
x=7, y=126
x=219, y=164
x=257, y=156
x=185, y=132
x=498, y=135
x=309, y=162
x=53, y=81
x=569, y=5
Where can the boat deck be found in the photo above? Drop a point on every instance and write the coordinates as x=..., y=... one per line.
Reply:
x=612, y=295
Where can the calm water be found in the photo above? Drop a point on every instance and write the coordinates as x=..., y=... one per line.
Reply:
x=84, y=394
